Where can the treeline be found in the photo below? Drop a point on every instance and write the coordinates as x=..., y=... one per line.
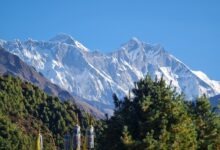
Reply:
x=25, y=109
x=153, y=117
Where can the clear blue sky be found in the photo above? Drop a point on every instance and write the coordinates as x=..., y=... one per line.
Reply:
x=188, y=29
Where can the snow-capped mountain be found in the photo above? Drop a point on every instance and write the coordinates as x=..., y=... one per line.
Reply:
x=95, y=76
x=12, y=65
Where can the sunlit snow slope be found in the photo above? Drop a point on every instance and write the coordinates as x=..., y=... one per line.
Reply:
x=95, y=76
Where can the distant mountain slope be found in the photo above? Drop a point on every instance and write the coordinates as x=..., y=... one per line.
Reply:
x=215, y=100
x=95, y=76
x=12, y=64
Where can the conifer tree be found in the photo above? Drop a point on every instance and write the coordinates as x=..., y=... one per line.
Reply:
x=126, y=138
x=207, y=124
x=156, y=118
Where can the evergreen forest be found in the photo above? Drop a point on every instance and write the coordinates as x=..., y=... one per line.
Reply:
x=152, y=116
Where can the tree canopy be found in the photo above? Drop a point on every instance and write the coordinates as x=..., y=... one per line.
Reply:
x=25, y=109
x=154, y=116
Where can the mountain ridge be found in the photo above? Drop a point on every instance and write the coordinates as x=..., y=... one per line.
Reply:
x=12, y=65
x=95, y=76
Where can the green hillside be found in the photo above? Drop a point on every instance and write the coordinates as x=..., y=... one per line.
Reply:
x=25, y=109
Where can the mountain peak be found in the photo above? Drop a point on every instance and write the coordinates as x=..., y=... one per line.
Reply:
x=63, y=38
x=135, y=40
x=132, y=44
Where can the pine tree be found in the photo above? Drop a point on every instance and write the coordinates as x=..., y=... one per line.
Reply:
x=127, y=139
x=207, y=124
x=156, y=117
